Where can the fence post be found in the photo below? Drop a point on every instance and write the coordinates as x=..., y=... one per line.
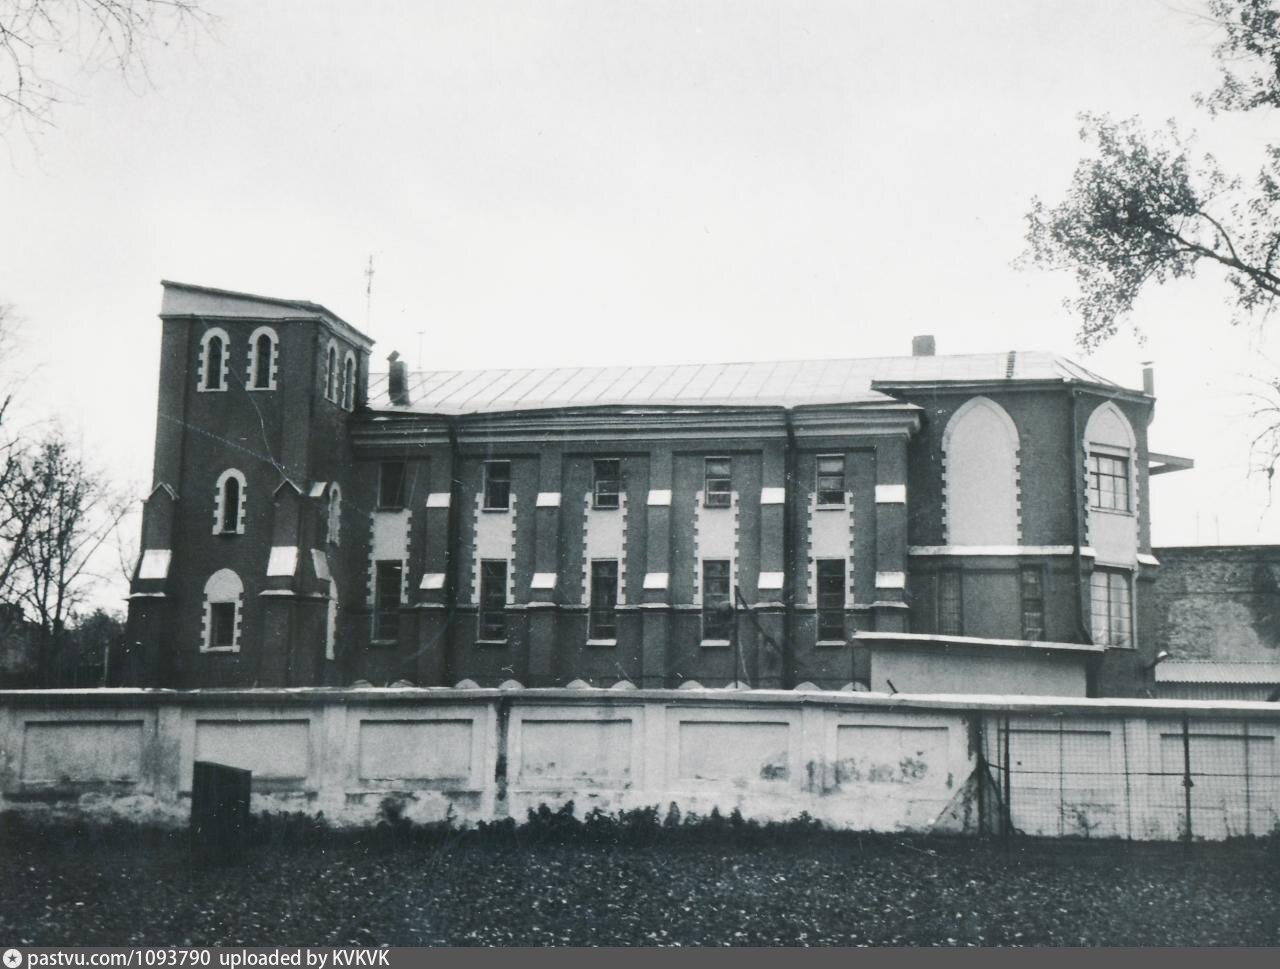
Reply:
x=1186, y=776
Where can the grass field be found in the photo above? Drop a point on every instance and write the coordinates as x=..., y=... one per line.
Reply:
x=819, y=889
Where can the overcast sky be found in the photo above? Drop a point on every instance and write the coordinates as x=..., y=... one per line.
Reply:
x=597, y=182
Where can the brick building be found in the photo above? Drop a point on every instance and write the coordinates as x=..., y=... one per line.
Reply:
x=1217, y=616
x=973, y=523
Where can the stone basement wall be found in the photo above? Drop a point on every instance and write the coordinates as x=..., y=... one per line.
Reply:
x=867, y=762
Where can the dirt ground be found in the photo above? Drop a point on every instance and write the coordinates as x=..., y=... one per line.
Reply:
x=822, y=890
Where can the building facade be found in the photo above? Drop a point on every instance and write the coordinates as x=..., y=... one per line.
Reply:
x=922, y=523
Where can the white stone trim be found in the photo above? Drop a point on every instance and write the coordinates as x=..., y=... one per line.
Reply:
x=350, y=377
x=548, y=499
x=320, y=562
x=222, y=587
x=769, y=580
x=543, y=580
x=154, y=563
x=432, y=580
x=995, y=550
x=283, y=561
x=891, y=580
x=1011, y=432
x=335, y=514
x=891, y=494
x=438, y=499
x=1144, y=559
x=657, y=581
x=659, y=497
x=209, y=334
x=332, y=367
x=219, y=495
x=249, y=382
x=773, y=496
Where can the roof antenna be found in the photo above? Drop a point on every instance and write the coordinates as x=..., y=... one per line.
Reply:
x=368, y=292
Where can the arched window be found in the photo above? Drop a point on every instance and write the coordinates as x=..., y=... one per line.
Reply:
x=980, y=447
x=223, y=598
x=212, y=367
x=229, y=503
x=331, y=372
x=335, y=513
x=1110, y=450
x=349, y=381
x=263, y=353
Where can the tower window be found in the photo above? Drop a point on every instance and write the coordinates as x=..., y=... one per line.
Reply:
x=497, y=485
x=388, y=579
x=222, y=602
x=1109, y=482
x=331, y=373
x=830, y=483
x=262, y=359
x=213, y=361
x=493, y=600
x=604, y=600
x=831, y=595
x=950, y=604
x=349, y=382
x=391, y=485
x=229, y=503
x=717, y=616
x=607, y=483
x=718, y=483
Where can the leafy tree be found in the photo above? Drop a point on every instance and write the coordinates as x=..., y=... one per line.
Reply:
x=1146, y=208
x=35, y=35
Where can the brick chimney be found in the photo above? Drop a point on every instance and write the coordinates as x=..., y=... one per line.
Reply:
x=922, y=346
x=397, y=381
x=1148, y=378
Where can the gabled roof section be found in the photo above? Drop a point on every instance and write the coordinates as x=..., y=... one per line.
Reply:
x=788, y=383
x=186, y=299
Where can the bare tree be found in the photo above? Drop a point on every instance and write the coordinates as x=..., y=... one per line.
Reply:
x=75, y=513
x=36, y=35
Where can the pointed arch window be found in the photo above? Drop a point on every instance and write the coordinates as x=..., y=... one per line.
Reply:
x=980, y=447
x=349, y=381
x=212, y=365
x=229, y=503
x=263, y=359
x=1111, y=452
x=223, y=602
x=331, y=372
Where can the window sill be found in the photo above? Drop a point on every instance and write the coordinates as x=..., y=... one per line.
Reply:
x=830, y=643
x=605, y=507
x=602, y=642
x=260, y=389
x=492, y=642
x=220, y=649
x=487, y=508
x=716, y=643
x=1111, y=511
x=211, y=390
x=384, y=642
x=830, y=507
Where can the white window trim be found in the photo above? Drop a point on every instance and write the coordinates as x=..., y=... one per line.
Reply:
x=206, y=633
x=219, y=513
x=209, y=334
x=249, y=382
x=332, y=381
x=818, y=503
x=349, y=385
x=335, y=514
x=331, y=622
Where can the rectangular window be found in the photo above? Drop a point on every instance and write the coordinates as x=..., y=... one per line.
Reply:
x=391, y=485
x=387, y=590
x=497, y=486
x=493, y=600
x=831, y=589
x=950, y=605
x=1109, y=482
x=718, y=488
x=222, y=625
x=606, y=483
x=1112, y=607
x=1031, y=583
x=830, y=484
x=717, y=614
x=604, y=600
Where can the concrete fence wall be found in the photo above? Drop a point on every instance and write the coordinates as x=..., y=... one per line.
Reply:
x=857, y=761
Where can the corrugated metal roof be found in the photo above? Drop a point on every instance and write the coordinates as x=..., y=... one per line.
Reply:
x=1212, y=671
x=785, y=383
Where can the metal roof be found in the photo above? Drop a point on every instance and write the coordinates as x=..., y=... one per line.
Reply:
x=779, y=383
x=1212, y=671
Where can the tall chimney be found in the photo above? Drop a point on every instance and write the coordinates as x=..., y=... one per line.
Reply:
x=922, y=346
x=397, y=381
x=1148, y=378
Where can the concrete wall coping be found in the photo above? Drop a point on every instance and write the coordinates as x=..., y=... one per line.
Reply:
x=333, y=696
